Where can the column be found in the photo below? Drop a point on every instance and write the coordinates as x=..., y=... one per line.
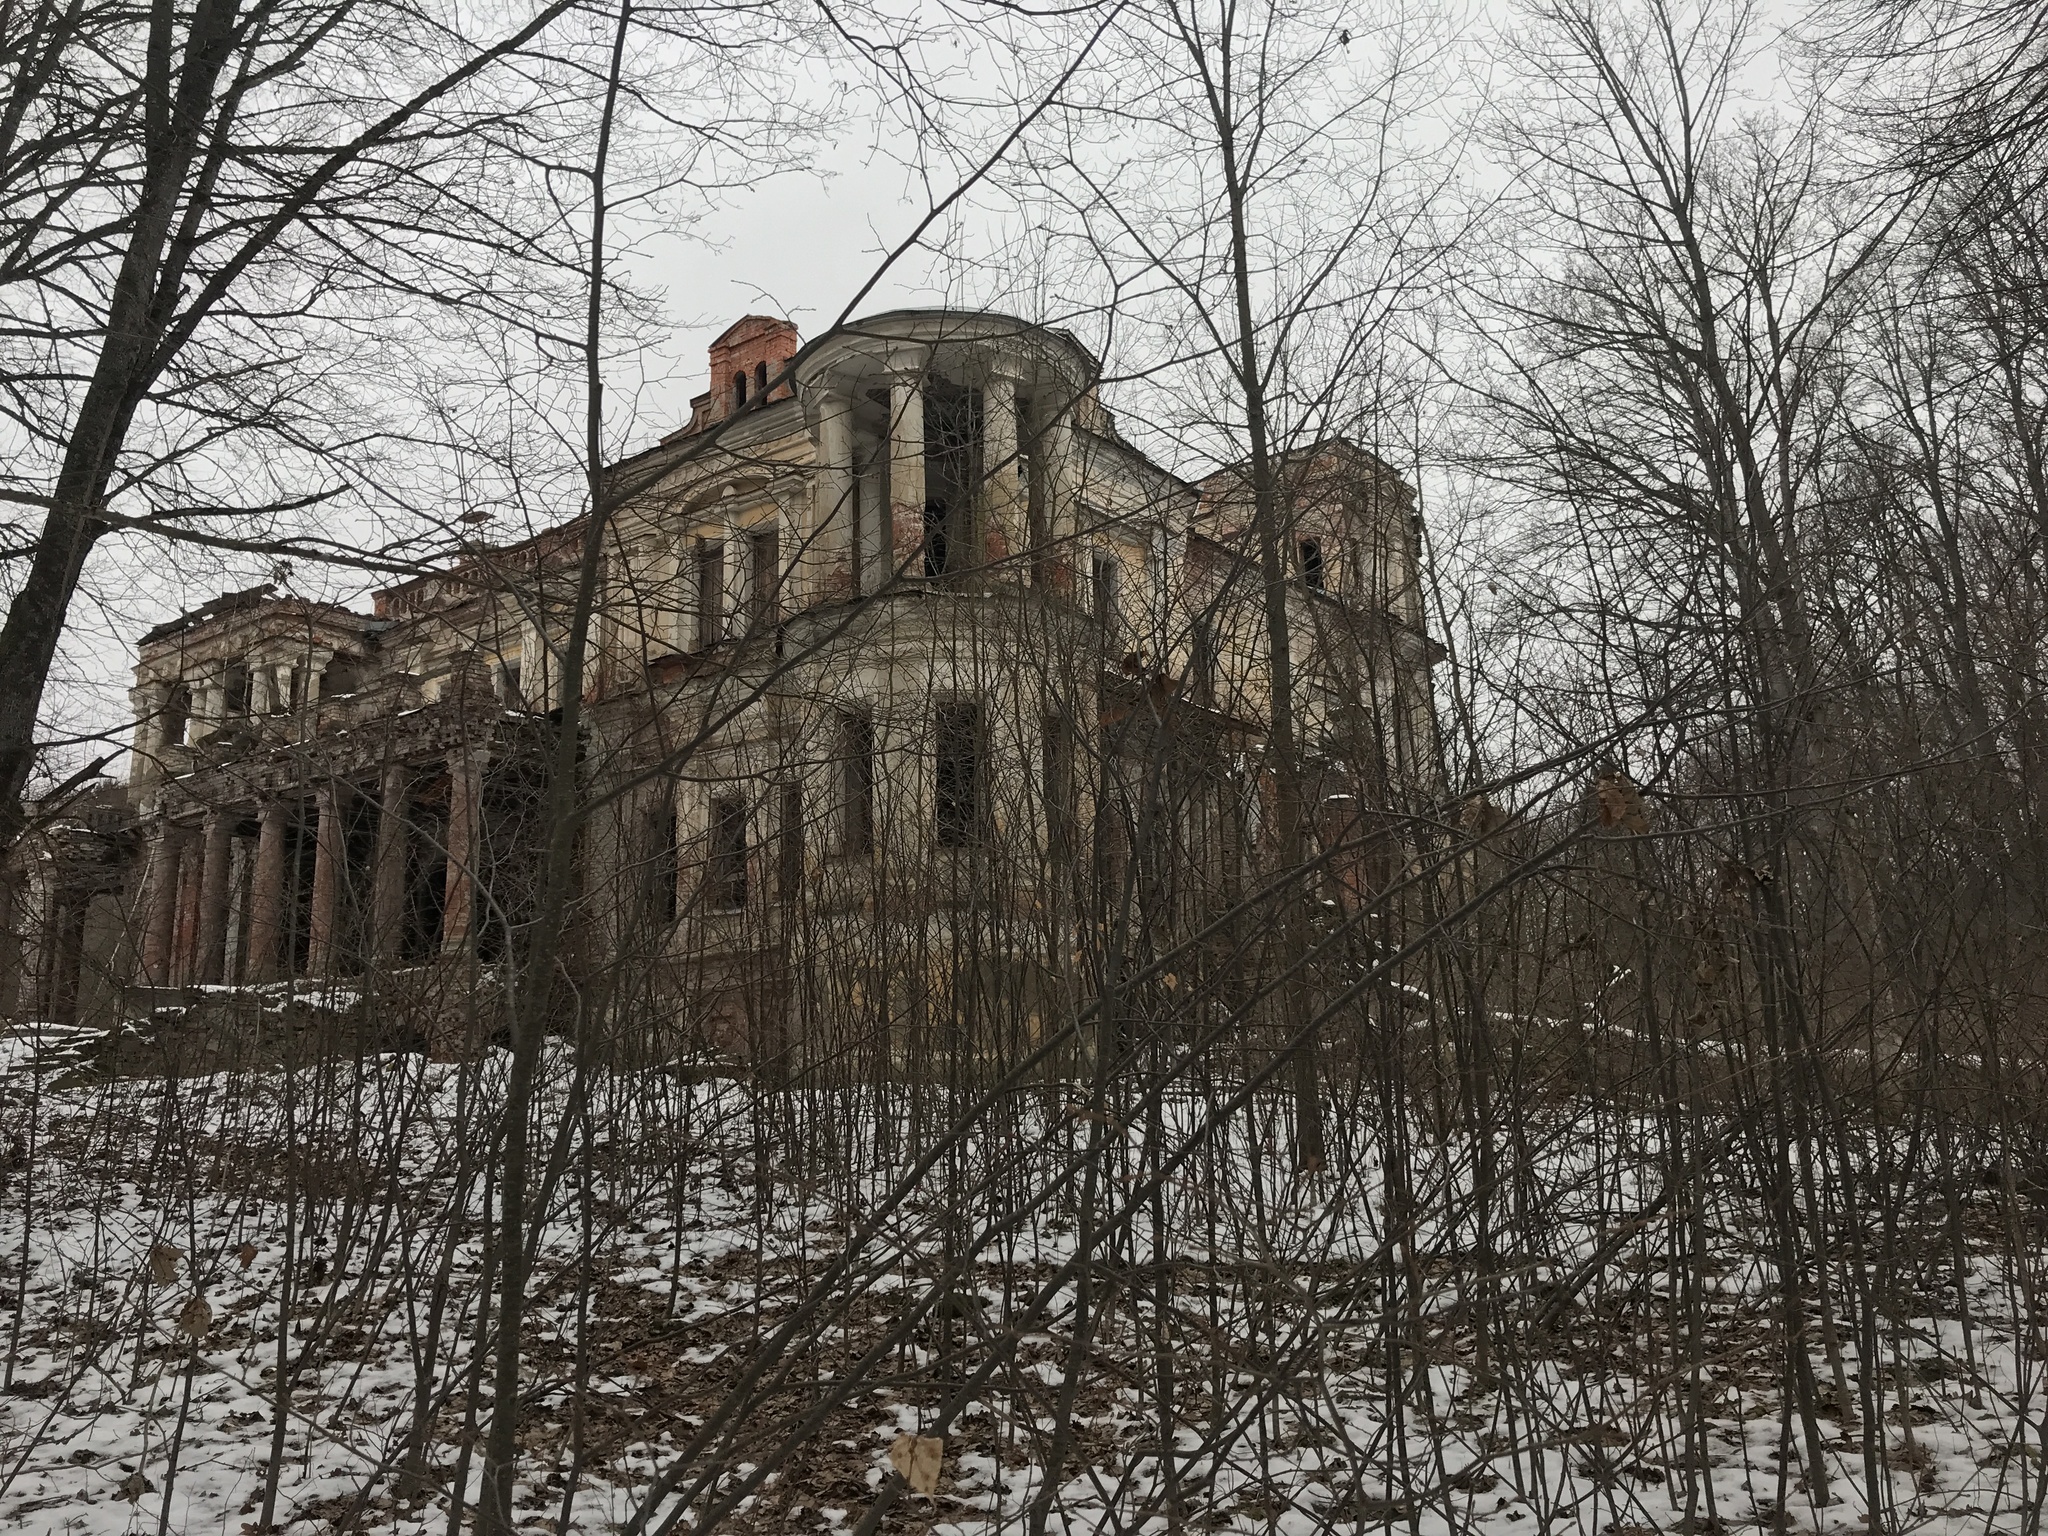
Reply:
x=159, y=907
x=233, y=946
x=387, y=878
x=1062, y=498
x=330, y=858
x=32, y=994
x=835, y=535
x=266, y=896
x=906, y=473
x=465, y=802
x=216, y=845
x=185, y=939
x=1002, y=505
x=10, y=938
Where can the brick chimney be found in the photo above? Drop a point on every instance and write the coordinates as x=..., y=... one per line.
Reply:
x=745, y=359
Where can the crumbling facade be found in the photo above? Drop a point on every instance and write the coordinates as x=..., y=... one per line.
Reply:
x=910, y=681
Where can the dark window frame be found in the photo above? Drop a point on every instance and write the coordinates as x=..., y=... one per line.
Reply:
x=1105, y=588
x=709, y=562
x=764, y=576
x=1314, y=570
x=856, y=747
x=725, y=864
x=959, y=774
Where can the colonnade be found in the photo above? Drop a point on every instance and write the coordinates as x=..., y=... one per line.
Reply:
x=197, y=874
x=870, y=511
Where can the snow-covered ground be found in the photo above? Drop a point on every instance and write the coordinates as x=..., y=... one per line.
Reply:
x=714, y=1218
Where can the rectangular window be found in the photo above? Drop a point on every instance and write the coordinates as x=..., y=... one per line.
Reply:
x=726, y=871
x=764, y=579
x=177, y=713
x=508, y=682
x=856, y=782
x=1056, y=748
x=1202, y=660
x=952, y=475
x=1312, y=564
x=658, y=865
x=235, y=691
x=789, y=853
x=710, y=594
x=1102, y=585
x=958, y=787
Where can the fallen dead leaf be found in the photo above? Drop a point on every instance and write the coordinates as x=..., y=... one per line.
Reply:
x=916, y=1459
x=195, y=1317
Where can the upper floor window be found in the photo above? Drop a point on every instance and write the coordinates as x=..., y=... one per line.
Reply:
x=761, y=380
x=235, y=690
x=1202, y=659
x=739, y=389
x=177, y=712
x=1312, y=564
x=1102, y=585
x=710, y=594
x=765, y=579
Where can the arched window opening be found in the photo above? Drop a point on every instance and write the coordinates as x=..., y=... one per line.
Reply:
x=761, y=380
x=739, y=389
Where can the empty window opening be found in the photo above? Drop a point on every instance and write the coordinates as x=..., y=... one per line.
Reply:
x=710, y=595
x=658, y=867
x=952, y=473
x=344, y=675
x=739, y=389
x=1056, y=747
x=726, y=874
x=1102, y=582
x=509, y=690
x=765, y=580
x=958, y=786
x=235, y=691
x=177, y=713
x=1202, y=660
x=856, y=782
x=761, y=380
x=1312, y=564
x=789, y=852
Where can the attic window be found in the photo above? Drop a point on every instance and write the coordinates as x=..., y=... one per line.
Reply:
x=1312, y=564
x=761, y=380
x=739, y=389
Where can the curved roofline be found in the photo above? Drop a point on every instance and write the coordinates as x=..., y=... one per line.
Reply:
x=882, y=326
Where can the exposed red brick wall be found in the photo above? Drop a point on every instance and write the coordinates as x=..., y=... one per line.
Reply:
x=743, y=348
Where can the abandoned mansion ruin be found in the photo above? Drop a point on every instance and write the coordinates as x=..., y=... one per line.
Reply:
x=915, y=697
